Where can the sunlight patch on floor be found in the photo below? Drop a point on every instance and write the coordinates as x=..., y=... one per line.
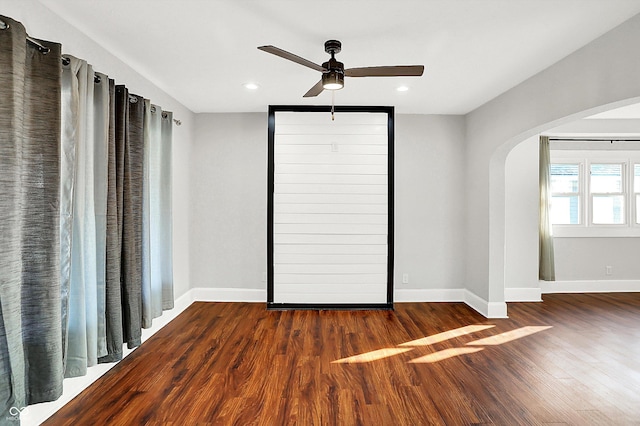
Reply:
x=509, y=336
x=498, y=339
x=446, y=335
x=372, y=356
x=444, y=354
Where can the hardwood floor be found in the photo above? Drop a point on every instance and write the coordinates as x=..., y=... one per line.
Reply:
x=574, y=359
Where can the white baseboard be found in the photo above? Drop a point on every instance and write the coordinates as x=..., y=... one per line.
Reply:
x=229, y=295
x=428, y=295
x=531, y=294
x=497, y=310
x=487, y=309
x=590, y=286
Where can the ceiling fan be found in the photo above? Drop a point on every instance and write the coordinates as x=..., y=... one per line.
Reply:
x=333, y=71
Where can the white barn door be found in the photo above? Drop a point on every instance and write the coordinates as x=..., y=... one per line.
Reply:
x=330, y=210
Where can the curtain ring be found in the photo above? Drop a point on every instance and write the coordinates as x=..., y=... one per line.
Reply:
x=96, y=79
x=153, y=109
x=43, y=49
x=65, y=61
x=133, y=99
x=4, y=25
x=164, y=115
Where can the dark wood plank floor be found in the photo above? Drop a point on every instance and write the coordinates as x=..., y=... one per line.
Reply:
x=574, y=359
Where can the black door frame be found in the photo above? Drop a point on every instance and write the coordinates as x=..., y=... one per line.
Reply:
x=389, y=110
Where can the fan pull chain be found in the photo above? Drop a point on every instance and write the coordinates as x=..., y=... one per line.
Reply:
x=333, y=94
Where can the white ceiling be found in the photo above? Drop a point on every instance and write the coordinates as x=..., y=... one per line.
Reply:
x=625, y=113
x=202, y=51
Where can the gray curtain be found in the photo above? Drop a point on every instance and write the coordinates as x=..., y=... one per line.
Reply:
x=84, y=135
x=157, y=279
x=546, y=270
x=164, y=230
x=124, y=224
x=113, y=237
x=85, y=196
x=31, y=365
x=102, y=116
x=132, y=195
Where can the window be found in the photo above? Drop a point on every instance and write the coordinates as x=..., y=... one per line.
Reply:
x=595, y=193
x=636, y=190
x=607, y=194
x=565, y=190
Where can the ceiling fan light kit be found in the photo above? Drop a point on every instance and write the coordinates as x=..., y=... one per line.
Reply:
x=332, y=80
x=333, y=71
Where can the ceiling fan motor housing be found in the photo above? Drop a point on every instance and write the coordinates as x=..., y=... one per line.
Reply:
x=333, y=79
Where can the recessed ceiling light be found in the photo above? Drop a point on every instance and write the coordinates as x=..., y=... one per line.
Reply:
x=251, y=86
x=402, y=89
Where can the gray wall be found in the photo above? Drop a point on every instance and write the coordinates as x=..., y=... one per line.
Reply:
x=521, y=217
x=587, y=258
x=429, y=201
x=229, y=201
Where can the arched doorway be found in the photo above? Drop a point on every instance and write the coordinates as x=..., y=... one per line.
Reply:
x=519, y=230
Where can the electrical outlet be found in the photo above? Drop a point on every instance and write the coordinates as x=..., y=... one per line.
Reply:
x=405, y=278
x=608, y=270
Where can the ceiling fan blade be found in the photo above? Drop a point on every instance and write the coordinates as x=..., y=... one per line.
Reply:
x=391, y=71
x=290, y=56
x=315, y=90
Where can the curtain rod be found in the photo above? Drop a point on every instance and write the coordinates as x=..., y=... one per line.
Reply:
x=96, y=78
x=164, y=115
x=44, y=50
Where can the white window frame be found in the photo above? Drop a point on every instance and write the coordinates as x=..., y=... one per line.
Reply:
x=586, y=227
x=624, y=192
x=581, y=188
x=633, y=191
